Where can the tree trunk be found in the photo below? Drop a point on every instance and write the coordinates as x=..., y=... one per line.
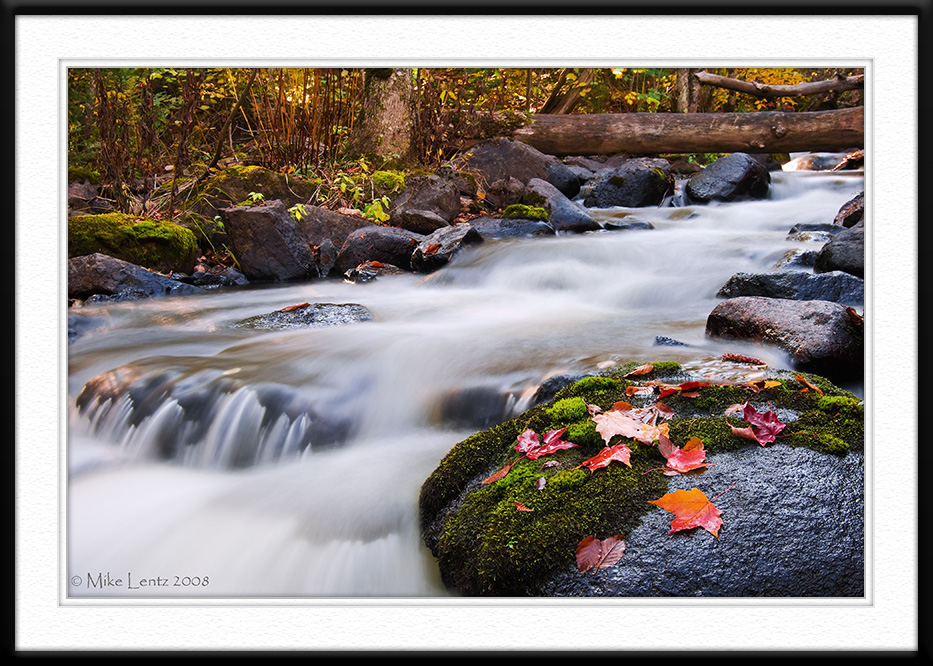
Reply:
x=686, y=91
x=385, y=131
x=655, y=133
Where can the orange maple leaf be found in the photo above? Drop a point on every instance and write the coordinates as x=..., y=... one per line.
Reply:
x=692, y=509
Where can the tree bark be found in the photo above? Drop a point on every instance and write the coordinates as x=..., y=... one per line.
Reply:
x=762, y=91
x=654, y=133
x=385, y=131
x=686, y=91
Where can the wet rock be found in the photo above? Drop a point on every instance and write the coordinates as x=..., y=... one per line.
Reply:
x=505, y=192
x=268, y=243
x=308, y=315
x=427, y=203
x=732, y=177
x=109, y=278
x=440, y=247
x=550, y=386
x=503, y=158
x=835, y=286
x=851, y=212
x=626, y=223
x=797, y=258
x=637, y=183
x=387, y=245
x=326, y=230
x=495, y=227
x=792, y=523
x=371, y=270
x=818, y=336
x=815, y=162
x=473, y=407
x=664, y=341
x=563, y=214
x=844, y=252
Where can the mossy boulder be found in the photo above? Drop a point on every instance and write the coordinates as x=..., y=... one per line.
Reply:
x=234, y=186
x=486, y=546
x=159, y=245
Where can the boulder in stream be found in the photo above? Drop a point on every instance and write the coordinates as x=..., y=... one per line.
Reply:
x=639, y=182
x=500, y=158
x=835, y=286
x=308, y=315
x=732, y=177
x=818, y=336
x=845, y=251
x=104, y=277
x=503, y=524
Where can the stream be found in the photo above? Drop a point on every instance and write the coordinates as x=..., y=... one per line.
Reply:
x=234, y=462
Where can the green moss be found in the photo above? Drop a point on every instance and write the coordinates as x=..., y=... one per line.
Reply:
x=486, y=546
x=523, y=212
x=386, y=182
x=151, y=243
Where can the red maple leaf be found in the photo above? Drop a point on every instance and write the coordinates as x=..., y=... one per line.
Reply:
x=618, y=452
x=593, y=553
x=692, y=509
x=692, y=456
x=552, y=443
x=763, y=428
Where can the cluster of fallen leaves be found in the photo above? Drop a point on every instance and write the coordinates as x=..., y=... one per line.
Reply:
x=648, y=425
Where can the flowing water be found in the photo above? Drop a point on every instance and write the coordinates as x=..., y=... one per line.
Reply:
x=239, y=463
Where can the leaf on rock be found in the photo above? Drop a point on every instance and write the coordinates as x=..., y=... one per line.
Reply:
x=492, y=478
x=527, y=441
x=766, y=426
x=618, y=452
x=809, y=385
x=741, y=358
x=552, y=443
x=640, y=370
x=289, y=308
x=691, y=509
x=595, y=554
x=615, y=422
x=692, y=456
x=760, y=385
x=522, y=507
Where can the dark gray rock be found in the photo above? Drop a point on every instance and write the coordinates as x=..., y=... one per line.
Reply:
x=495, y=227
x=628, y=222
x=732, y=177
x=369, y=271
x=427, y=202
x=550, y=386
x=818, y=336
x=503, y=158
x=637, y=183
x=308, y=315
x=797, y=258
x=268, y=243
x=563, y=214
x=844, y=252
x=105, y=278
x=835, y=286
x=387, y=245
x=321, y=226
x=793, y=526
x=440, y=247
x=473, y=407
x=505, y=192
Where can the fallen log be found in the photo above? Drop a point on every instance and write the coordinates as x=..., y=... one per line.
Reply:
x=655, y=133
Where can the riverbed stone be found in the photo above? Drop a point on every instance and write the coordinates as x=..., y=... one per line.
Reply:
x=308, y=315
x=836, y=286
x=818, y=336
x=387, y=245
x=427, y=203
x=791, y=509
x=439, y=247
x=108, y=278
x=268, y=243
x=845, y=251
x=637, y=183
x=732, y=177
x=563, y=214
x=498, y=227
x=501, y=157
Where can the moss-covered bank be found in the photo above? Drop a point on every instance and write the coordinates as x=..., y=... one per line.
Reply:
x=154, y=244
x=486, y=545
